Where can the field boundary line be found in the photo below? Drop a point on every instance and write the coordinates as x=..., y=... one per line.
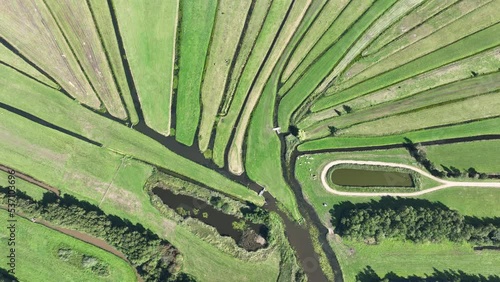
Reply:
x=111, y=182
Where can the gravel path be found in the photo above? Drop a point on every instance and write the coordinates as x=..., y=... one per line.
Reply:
x=444, y=183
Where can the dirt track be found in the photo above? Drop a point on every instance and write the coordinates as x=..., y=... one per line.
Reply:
x=444, y=183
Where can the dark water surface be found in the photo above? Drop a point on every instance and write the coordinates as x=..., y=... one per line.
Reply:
x=370, y=178
x=221, y=221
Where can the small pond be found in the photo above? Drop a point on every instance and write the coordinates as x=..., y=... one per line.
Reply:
x=207, y=214
x=370, y=178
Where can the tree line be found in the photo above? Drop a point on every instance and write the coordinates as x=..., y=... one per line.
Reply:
x=418, y=153
x=154, y=258
x=369, y=275
x=413, y=220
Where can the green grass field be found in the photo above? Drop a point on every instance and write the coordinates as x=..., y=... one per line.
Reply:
x=446, y=28
x=402, y=258
x=448, y=54
x=98, y=96
x=229, y=22
x=152, y=67
x=226, y=124
x=30, y=189
x=465, y=89
x=102, y=17
x=464, y=155
x=46, y=48
x=11, y=59
x=83, y=38
x=195, y=28
x=37, y=245
x=322, y=67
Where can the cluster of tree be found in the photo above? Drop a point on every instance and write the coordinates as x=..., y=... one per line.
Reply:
x=155, y=259
x=5, y=276
x=418, y=152
x=369, y=275
x=423, y=222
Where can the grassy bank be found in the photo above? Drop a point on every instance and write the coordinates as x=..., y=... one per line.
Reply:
x=39, y=245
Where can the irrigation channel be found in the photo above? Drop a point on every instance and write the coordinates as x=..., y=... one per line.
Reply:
x=298, y=235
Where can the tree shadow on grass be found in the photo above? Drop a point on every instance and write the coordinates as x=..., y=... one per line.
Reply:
x=369, y=275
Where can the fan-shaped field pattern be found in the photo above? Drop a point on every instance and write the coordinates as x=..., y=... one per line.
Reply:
x=228, y=94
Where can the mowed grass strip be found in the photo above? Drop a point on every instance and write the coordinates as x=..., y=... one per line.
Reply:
x=197, y=20
x=76, y=23
x=226, y=124
x=30, y=28
x=458, y=50
x=13, y=60
x=347, y=17
x=409, y=22
x=123, y=179
x=474, y=108
x=482, y=63
x=38, y=245
x=463, y=89
x=475, y=128
x=251, y=32
x=293, y=19
x=47, y=104
x=263, y=152
x=355, y=256
x=426, y=39
x=481, y=155
x=394, y=13
x=34, y=191
x=323, y=66
x=102, y=17
x=229, y=22
x=321, y=23
x=148, y=29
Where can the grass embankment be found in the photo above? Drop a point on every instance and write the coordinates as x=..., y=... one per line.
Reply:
x=458, y=50
x=395, y=12
x=457, y=22
x=323, y=66
x=477, y=108
x=437, y=97
x=83, y=38
x=413, y=19
x=230, y=19
x=293, y=19
x=347, y=17
x=45, y=47
x=265, y=168
x=197, y=20
x=38, y=245
x=226, y=124
x=30, y=189
x=47, y=104
x=448, y=27
x=327, y=15
x=250, y=33
x=402, y=258
x=487, y=126
x=74, y=173
x=483, y=63
x=101, y=13
x=11, y=59
x=148, y=30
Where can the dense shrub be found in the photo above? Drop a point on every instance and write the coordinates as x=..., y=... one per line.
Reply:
x=154, y=258
x=402, y=219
